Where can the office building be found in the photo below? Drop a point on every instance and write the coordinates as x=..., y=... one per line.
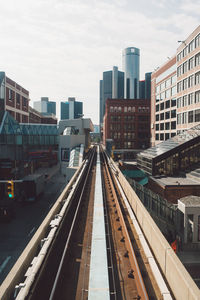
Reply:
x=14, y=99
x=131, y=68
x=71, y=109
x=44, y=106
x=112, y=86
x=127, y=123
x=188, y=82
x=175, y=91
x=163, y=102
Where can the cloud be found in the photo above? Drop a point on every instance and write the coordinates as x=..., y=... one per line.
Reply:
x=60, y=48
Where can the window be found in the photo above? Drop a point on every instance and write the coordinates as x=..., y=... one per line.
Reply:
x=173, y=113
x=167, y=115
x=157, y=107
x=111, y=109
x=168, y=82
x=157, y=117
x=162, y=86
x=191, y=116
x=185, y=51
x=179, y=117
x=157, y=137
x=179, y=102
x=191, y=63
x=24, y=101
x=161, y=126
x=197, y=115
x=191, y=46
x=10, y=93
x=173, y=125
x=197, y=78
x=161, y=106
x=168, y=93
x=180, y=70
x=173, y=102
x=197, y=41
x=184, y=118
x=190, y=81
x=18, y=98
x=162, y=96
x=197, y=96
x=162, y=116
x=185, y=67
x=191, y=98
x=179, y=86
x=157, y=127
x=179, y=56
x=173, y=79
x=184, y=100
x=197, y=59
x=167, y=104
x=161, y=136
x=125, y=108
x=167, y=126
x=173, y=90
x=185, y=83
x=157, y=89
x=166, y=136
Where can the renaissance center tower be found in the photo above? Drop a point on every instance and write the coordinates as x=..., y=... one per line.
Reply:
x=131, y=68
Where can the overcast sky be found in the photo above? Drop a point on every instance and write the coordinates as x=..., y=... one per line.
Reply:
x=60, y=48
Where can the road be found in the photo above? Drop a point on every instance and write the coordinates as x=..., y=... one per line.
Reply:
x=15, y=235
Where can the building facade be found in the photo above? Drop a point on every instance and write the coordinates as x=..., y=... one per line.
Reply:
x=14, y=99
x=71, y=109
x=163, y=102
x=127, y=123
x=131, y=68
x=188, y=82
x=112, y=86
x=44, y=106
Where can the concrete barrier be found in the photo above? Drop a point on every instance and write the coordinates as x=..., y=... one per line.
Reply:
x=180, y=282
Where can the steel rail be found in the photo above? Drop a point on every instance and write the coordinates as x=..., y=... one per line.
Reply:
x=58, y=275
x=132, y=257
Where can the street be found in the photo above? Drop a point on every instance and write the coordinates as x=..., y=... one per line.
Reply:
x=15, y=235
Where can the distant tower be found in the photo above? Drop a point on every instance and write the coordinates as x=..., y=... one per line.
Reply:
x=131, y=67
x=112, y=86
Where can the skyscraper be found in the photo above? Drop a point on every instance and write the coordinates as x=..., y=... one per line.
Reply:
x=112, y=86
x=44, y=106
x=131, y=67
x=71, y=109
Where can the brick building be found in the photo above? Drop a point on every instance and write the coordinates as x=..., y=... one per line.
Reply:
x=127, y=123
x=38, y=118
x=14, y=99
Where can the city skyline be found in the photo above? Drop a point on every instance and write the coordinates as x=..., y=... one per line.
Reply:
x=63, y=52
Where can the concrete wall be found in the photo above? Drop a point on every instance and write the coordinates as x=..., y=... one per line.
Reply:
x=179, y=280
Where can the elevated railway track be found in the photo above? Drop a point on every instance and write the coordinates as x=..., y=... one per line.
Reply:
x=93, y=246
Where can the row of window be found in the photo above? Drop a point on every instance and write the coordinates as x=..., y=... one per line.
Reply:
x=165, y=84
x=188, y=82
x=126, y=135
x=188, y=117
x=11, y=94
x=188, y=65
x=166, y=136
x=130, y=118
x=195, y=43
x=166, y=104
x=166, y=126
x=167, y=94
x=188, y=99
x=119, y=109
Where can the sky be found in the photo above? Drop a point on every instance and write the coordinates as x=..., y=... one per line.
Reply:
x=60, y=48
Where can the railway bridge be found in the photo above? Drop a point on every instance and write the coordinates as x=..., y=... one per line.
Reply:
x=98, y=242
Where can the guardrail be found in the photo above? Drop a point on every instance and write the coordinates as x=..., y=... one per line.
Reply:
x=181, y=284
x=16, y=274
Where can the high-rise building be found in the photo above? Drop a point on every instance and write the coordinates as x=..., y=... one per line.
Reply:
x=71, y=109
x=163, y=102
x=188, y=82
x=44, y=106
x=112, y=86
x=131, y=68
x=175, y=91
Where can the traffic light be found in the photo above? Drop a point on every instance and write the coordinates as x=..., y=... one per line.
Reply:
x=10, y=189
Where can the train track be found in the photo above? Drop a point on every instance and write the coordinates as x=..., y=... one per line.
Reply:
x=65, y=272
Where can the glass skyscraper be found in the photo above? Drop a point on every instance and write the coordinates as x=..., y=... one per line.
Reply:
x=131, y=67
